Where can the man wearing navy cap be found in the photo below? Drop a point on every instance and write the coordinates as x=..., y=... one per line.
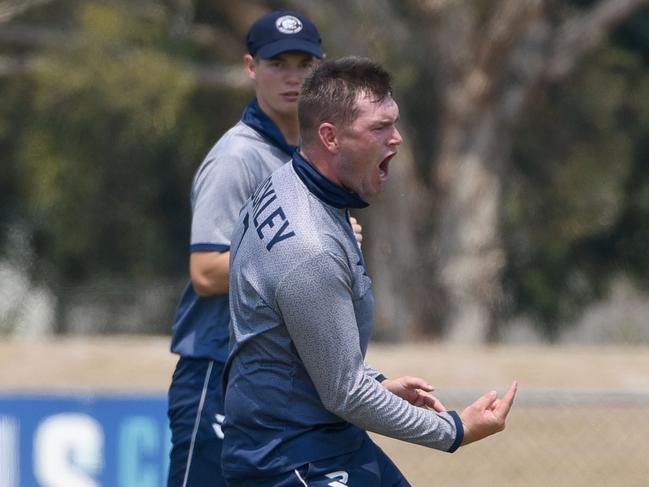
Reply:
x=282, y=47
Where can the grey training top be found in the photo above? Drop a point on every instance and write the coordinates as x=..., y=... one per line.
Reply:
x=301, y=306
x=242, y=158
x=225, y=180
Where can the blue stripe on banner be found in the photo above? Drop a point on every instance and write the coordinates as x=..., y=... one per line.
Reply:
x=84, y=439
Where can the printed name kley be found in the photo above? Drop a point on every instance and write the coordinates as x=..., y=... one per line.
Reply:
x=274, y=225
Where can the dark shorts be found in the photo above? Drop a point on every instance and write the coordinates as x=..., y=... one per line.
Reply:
x=368, y=466
x=195, y=416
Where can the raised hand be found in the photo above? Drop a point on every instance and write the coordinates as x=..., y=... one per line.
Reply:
x=487, y=415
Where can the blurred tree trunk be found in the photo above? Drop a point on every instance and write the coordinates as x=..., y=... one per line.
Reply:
x=490, y=62
x=434, y=242
x=483, y=87
x=392, y=244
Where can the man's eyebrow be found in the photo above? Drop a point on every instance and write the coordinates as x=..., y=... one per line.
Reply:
x=387, y=120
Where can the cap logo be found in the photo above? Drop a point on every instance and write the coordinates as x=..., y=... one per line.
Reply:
x=288, y=24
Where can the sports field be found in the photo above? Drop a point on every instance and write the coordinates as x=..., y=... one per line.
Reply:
x=581, y=418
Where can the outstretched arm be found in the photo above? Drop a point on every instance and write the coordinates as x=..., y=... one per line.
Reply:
x=316, y=302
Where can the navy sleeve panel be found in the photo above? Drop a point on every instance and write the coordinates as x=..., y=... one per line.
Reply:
x=373, y=373
x=459, y=428
x=208, y=247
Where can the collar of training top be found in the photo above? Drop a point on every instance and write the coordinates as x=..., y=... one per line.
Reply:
x=325, y=190
x=254, y=117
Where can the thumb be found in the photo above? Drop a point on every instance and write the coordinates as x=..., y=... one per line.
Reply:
x=485, y=401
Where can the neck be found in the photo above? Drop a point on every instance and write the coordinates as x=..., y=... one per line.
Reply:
x=320, y=160
x=289, y=128
x=286, y=123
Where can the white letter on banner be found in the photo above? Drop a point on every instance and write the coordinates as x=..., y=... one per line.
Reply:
x=68, y=451
x=8, y=451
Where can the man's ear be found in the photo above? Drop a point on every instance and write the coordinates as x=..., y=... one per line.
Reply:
x=328, y=135
x=250, y=66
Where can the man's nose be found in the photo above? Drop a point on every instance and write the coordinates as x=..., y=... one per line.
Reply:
x=396, y=138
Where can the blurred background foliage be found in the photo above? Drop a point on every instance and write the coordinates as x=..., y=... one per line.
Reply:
x=107, y=108
x=577, y=199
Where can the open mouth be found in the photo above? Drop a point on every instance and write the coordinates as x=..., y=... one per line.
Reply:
x=384, y=167
x=291, y=95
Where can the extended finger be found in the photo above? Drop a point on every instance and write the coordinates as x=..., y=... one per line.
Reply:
x=425, y=399
x=505, y=404
x=436, y=404
x=416, y=383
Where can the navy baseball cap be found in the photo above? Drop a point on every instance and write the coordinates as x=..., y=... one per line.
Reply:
x=281, y=31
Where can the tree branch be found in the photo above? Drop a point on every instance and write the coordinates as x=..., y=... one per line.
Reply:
x=38, y=37
x=503, y=31
x=10, y=67
x=214, y=76
x=211, y=76
x=585, y=31
x=12, y=8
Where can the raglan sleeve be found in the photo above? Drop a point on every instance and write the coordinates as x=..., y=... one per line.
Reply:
x=315, y=300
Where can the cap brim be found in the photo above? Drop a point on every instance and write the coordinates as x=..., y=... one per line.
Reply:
x=286, y=45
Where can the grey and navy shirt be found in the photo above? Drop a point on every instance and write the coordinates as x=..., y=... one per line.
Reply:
x=242, y=158
x=297, y=385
